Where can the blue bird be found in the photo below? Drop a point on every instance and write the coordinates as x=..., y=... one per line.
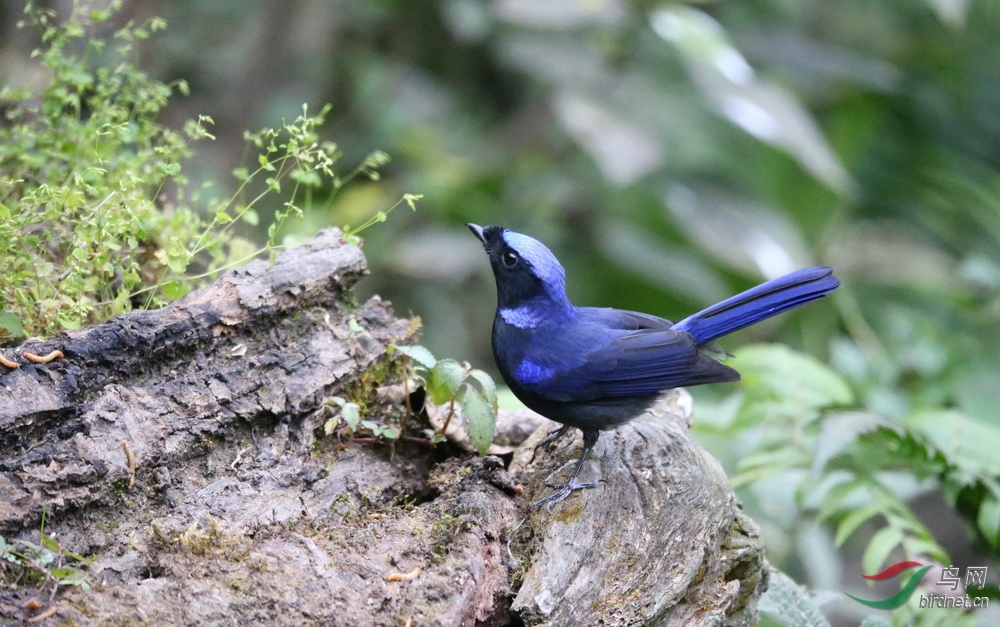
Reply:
x=598, y=368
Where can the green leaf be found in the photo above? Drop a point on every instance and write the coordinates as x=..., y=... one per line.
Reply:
x=853, y=520
x=776, y=368
x=169, y=169
x=49, y=542
x=988, y=520
x=63, y=572
x=419, y=354
x=174, y=290
x=443, y=381
x=879, y=548
x=784, y=384
x=970, y=444
x=307, y=177
x=766, y=463
x=924, y=546
x=733, y=90
x=11, y=323
x=480, y=416
x=45, y=268
x=70, y=324
x=389, y=433
x=830, y=504
x=789, y=603
x=486, y=381
x=838, y=431
x=178, y=260
x=351, y=413
x=70, y=576
x=891, y=448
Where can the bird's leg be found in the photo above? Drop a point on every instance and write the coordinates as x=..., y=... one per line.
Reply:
x=564, y=490
x=553, y=435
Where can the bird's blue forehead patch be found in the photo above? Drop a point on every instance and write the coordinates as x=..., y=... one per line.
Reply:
x=546, y=266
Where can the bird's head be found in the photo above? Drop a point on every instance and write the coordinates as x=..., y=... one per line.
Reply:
x=526, y=272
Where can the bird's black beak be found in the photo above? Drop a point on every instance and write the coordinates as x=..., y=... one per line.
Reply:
x=477, y=231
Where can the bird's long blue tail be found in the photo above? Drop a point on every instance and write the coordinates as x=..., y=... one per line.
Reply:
x=759, y=303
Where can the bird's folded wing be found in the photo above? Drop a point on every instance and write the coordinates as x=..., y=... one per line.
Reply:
x=617, y=353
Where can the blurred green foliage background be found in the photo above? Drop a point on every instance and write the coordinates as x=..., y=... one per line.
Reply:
x=670, y=154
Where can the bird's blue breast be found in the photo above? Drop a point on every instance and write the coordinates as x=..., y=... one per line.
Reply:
x=528, y=372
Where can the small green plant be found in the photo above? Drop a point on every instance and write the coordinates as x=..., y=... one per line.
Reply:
x=83, y=164
x=351, y=233
x=348, y=416
x=95, y=212
x=45, y=563
x=450, y=383
x=296, y=153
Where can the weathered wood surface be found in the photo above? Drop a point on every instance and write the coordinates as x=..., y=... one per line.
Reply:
x=662, y=542
x=166, y=382
x=240, y=514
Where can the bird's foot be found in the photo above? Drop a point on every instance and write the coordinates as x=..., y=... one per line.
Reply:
x=553, y=435
x=563, y=491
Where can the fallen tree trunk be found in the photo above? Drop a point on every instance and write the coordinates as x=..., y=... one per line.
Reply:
x=178, y=448
x=254, y=349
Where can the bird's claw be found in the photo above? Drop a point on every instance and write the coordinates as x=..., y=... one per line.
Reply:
x=553, y=435
x=574, y=485
x=564, y=490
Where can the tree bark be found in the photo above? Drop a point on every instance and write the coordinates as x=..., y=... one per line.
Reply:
x=254, y=349
x=183, y=451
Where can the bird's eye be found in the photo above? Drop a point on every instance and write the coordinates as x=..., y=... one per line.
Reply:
x=509, y=259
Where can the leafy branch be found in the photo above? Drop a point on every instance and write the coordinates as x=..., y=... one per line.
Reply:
x=806, y=423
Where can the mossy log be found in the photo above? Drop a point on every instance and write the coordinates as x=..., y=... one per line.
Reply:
x=230, y=506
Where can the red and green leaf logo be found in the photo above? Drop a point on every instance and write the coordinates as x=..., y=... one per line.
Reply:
x=904, y=593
